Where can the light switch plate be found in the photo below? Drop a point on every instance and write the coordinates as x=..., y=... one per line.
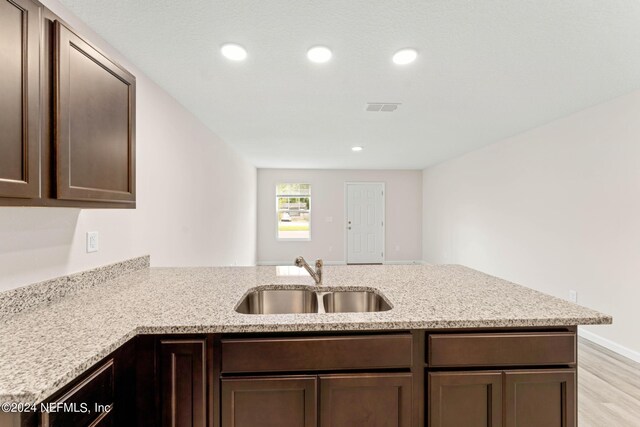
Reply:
x=92, y=241
x=573, y=296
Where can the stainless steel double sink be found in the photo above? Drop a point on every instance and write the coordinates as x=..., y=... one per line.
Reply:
x=310, y=300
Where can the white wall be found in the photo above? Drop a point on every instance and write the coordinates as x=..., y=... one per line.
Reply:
x=196, y=200
x=403, y=199
x=555, y=208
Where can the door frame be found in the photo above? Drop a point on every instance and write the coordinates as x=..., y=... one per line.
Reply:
x=346, y=214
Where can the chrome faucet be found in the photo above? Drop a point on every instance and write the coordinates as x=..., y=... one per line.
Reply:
x=317, y=274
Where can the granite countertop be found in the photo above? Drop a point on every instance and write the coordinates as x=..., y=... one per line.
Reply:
x=44, y=348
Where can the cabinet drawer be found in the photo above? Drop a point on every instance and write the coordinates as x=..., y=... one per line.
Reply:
x=96, y=389
x=501, y=349
x=316, y=353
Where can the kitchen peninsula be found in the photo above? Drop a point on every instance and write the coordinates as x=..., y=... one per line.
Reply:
x=166, y=345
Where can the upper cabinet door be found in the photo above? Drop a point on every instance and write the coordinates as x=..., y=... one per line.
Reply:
x=20, y=99
x=94, y=112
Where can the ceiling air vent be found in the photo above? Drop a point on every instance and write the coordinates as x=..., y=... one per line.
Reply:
x=387, y=107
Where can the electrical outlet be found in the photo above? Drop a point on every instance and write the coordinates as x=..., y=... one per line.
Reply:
x=573, y=296
x=92, y=241
x=397, y=248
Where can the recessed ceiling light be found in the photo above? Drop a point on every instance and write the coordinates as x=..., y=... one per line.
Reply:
x=405, y=56
x=233, y=51
x=356, y=148
x=319, y=54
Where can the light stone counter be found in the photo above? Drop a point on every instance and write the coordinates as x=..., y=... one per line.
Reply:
x=48, y=345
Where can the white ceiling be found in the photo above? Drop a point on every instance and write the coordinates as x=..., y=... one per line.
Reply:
x=487, y=69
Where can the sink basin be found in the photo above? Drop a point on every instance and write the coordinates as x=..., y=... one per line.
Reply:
x=279, y=301
x=311, y=300
x=354, y=301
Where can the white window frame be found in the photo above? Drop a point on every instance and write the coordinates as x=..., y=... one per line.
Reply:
x=292, y=239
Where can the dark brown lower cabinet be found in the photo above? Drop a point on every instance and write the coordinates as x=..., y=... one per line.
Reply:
x=103, y=396
x=540, y=398
x=96, y=389
x=346, y=400
x=183, y=383
x=107, y=421
x=513, y=398
x=279, y=401
x=470, y=399
x=366, y=400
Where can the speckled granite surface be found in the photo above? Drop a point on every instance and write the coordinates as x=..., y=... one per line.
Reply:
x=44, y=348
x=43, y=293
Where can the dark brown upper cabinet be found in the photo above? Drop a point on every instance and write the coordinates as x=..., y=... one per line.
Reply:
x=94, y=110
x=67, y=115
x=20, y=100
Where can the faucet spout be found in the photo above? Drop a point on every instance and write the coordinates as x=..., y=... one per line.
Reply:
x=316, y=274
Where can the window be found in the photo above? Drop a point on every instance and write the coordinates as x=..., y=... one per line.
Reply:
x=293, y=211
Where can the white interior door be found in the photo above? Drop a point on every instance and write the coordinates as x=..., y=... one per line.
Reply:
x=365, y=223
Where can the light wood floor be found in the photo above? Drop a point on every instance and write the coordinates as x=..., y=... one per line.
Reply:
x=608, y=388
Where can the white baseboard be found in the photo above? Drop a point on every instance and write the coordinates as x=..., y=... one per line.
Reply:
x=290, y=262
x=409, y=262
x=613, y=346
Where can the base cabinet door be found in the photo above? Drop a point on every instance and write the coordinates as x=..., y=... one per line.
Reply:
x=183, y=383
x=366, y=400
x=541, y=398
x=469, y=399
x=282, y=401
